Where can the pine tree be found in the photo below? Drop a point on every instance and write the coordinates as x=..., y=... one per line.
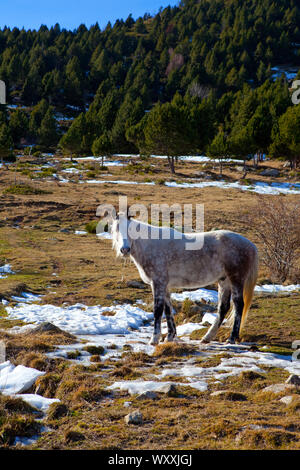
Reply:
x=102, y=146
x=47, y=133
x=166, y=132
x=71, y=141
x=18, y=125
x=6, y=143
x=218, y=149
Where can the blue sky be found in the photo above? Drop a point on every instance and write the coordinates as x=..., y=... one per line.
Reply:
x=71, y=13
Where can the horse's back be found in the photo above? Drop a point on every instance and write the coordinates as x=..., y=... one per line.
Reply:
x=236, y=251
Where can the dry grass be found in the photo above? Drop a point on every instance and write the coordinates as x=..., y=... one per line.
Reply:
x=174, y=349
x=88, y=272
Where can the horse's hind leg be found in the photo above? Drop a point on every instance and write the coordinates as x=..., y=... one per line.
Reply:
x=223, y=307
x=170, y=319
x=159, y=292
x=238, y=306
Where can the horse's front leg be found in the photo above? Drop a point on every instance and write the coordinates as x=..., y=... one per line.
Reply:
x=159, y=304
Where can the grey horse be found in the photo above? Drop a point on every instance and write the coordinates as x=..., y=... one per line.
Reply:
x=164, y=263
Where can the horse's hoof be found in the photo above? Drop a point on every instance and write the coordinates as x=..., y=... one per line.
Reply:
x=230, y=341
x=171, y=339
x=154, y=340
x=204, y=341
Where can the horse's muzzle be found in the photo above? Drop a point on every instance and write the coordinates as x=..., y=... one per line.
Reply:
x=125, y=251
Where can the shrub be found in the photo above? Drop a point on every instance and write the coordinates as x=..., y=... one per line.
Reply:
x=91, y=226
x=277, y=225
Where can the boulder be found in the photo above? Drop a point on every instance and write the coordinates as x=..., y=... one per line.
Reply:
x=135, y=417
x=170, y=390
x=149, y=395
x=287, y=400
x=270, y=172
x=278, y=388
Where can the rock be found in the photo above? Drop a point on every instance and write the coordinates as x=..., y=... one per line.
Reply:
x=136, y=285
x=270, y=172
x=293, y=380
x=46, y=327
x=64, y=230
x=170, y=390
x=147, y=396
x=135, y=417
x=287, y=400
x=240, y=168
x=49, y=328
x=278, y=388
x=218, y=393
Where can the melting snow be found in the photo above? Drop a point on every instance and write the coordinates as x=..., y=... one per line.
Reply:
x=79, y=319
x=210, y=296
x=6, y=269
x=17, y=379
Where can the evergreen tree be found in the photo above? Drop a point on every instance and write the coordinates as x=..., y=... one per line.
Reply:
x=48, y=134
x=71, y=141
x=6, y=143
x=166, y=132
x=102, y=146
x=219, y=149
x=18, y=125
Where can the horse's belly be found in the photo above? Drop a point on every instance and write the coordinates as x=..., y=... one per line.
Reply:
x=197, y=276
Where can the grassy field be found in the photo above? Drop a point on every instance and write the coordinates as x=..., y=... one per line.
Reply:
x=39, y=217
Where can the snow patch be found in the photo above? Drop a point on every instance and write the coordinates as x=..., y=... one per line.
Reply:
x=79, y=319
x=17, y=379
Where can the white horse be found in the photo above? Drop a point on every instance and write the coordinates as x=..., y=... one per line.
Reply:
x=164, y=262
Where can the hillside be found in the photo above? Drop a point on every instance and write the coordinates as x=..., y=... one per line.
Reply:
x=205, y=52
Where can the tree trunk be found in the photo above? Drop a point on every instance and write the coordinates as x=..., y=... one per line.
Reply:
x=172, y=164
x=221, y=166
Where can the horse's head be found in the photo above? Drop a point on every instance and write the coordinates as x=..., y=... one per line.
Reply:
x=119, y=231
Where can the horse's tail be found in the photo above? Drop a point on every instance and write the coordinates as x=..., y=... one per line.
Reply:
x=249, y=286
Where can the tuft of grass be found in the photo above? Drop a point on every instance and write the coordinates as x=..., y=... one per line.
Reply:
x=47, y=384
x=57, y=411
x=266, y=439
x=282, y=351
x=25, y=189
x=74, y=436
x=17, y=405
x=18, y=426
x=94, y=350
x=136, y=359
x=174, y=349
x=73, y=354
x=125, y=372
